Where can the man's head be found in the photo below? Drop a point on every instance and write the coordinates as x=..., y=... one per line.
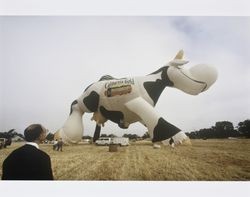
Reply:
x=35, y=132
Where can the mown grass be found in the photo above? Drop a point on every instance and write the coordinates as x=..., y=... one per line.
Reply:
x=205, y=160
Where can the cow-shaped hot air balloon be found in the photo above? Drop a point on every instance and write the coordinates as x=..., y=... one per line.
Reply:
x=132, y=99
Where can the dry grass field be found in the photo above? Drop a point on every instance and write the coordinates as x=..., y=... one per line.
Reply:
x=205, y=160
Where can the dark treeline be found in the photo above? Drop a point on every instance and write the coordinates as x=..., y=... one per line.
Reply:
x=9, y=135
x=222, y=129
x=130, y=136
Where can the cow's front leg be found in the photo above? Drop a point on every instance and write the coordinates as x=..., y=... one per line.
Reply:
x=159, y=129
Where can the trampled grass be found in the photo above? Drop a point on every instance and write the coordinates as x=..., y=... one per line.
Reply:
x=205, y=160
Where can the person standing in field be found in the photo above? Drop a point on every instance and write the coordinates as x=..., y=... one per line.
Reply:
x=29, y=162
x=60, y=145
x=55, y=145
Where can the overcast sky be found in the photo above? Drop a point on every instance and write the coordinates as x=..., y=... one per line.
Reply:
x=47, y=62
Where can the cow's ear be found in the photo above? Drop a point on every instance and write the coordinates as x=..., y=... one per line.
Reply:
x=179, y=55
x=178, y=60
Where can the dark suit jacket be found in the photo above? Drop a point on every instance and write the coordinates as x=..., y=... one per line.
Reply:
x=27, y=163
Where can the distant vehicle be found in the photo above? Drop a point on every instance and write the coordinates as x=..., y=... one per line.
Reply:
x=103, y=141
x=122, y=141
x=85, y=141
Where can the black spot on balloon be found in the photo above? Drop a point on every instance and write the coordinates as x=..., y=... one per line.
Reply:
x=155, y=88
x=71, y=109
x=164, y=130
x=92, y=101
x=115, y=116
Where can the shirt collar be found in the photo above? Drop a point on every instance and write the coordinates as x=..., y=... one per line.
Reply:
x=33, y=144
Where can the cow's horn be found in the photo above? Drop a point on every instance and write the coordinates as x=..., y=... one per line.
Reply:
x=179, y=55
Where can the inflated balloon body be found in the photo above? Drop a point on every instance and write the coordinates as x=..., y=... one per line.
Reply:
x=129, y=100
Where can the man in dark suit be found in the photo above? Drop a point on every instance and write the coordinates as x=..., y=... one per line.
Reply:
x=29, y=162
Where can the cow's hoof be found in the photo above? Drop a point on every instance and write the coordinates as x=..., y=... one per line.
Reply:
x=187, y=142
x=156, y=146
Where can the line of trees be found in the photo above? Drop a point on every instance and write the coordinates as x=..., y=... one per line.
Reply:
x=9, y=135
x=222, y=129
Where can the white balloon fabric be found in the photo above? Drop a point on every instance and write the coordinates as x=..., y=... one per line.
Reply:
x=194, y=80
x=129, y=100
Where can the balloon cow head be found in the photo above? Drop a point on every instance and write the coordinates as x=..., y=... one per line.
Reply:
x=128, y=100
